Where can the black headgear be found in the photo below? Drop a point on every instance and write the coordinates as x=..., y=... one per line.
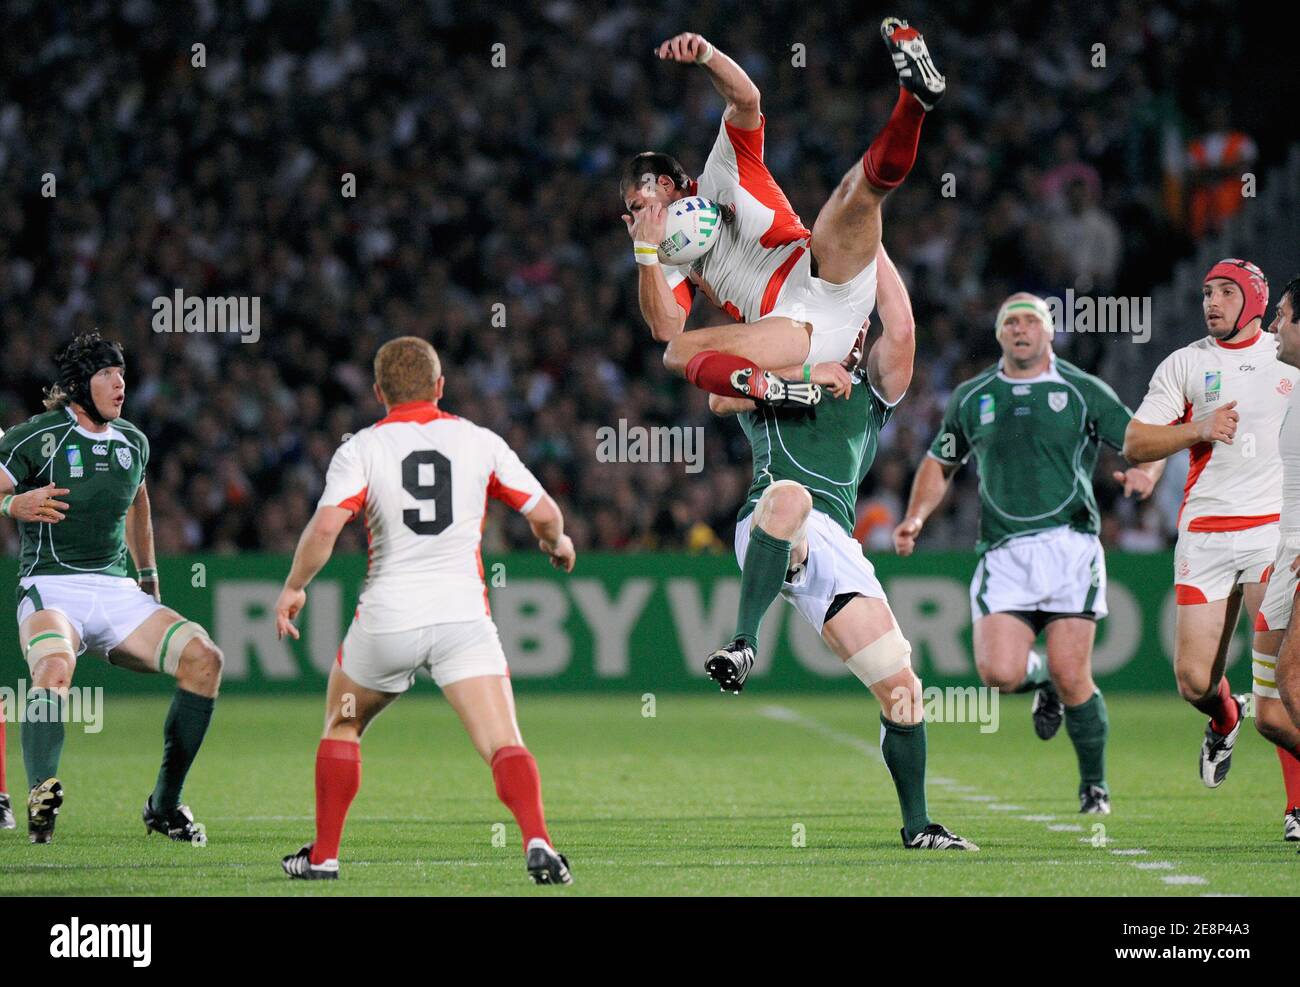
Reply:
x=81, y=359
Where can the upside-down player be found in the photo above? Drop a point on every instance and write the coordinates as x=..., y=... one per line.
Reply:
x=801, y=295
x=794, y=537
x=1227, y=385
x=1034, y=424
x=1275, y=672
x=421, y=479
x=78, y=472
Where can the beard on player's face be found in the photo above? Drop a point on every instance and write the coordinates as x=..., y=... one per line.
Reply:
x=1222, y=310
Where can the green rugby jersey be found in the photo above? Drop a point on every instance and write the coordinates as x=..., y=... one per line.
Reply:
x=103, y=471
x=1035, y=443
x=828, y=449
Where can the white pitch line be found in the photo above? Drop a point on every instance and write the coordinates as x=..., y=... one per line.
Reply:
x=785, y=714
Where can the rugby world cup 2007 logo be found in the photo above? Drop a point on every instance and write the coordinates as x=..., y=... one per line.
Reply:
x=1213, y=383
x=76, y=468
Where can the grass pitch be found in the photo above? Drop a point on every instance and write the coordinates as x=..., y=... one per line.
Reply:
x=712, y=795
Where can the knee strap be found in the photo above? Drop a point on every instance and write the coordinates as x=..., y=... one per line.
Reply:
x=44, y=644
x=886, y=655
x=168, y=655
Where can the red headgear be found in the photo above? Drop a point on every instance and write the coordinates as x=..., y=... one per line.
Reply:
x=1254, y=287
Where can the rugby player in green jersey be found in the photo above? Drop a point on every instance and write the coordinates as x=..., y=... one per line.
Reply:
x=1034, y=424
x=73, y=478
x=794, y=537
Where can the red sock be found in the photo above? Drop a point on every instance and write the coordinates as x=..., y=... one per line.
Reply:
x=711, y=371
x=892, y=154
x=338, y=776
x=519, y=786
x=1290, y=775
x=1225, y=719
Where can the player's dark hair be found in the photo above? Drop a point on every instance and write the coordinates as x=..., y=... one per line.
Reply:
x=1291, y=290
x=76, y=362
x=651, y=163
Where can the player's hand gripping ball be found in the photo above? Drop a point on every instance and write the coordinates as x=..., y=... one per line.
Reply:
x=691, y=230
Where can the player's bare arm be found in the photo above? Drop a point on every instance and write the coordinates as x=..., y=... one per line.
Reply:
x=1140, y=480
x=315, y=547
x=41, y=505
x=659, y=306
x=547, y=524
x=889, y=365
x=728, y=78
x=928, y=490
x=1145, y=443
x=139, y=542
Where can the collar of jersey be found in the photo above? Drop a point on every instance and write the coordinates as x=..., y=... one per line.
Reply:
x=1242, y=345
x=1049, y=374
x=414, y=411
x=107, y=436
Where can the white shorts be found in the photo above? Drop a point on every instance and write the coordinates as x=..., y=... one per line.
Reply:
x=835, y=565
x=1208, y=564
x=836, y=311
x=1275, y=613
x=1058, y=571
x=388, y=662
x=103, y=610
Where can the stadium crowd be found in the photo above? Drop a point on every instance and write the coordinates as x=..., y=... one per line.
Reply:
x=484, y=151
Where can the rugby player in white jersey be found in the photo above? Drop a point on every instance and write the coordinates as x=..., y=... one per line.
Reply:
x=1223, y=398
x=421, y=479
x=800, y=295
x=1277, y=670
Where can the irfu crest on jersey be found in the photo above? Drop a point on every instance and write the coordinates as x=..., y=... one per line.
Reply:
x=124, y=456
x=1057, y=400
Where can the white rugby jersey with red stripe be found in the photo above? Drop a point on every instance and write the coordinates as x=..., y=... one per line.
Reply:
x=747, y=268
x=1229, y=487
x=421, y=478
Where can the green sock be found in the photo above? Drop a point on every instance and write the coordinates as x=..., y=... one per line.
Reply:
x=42, y=733
x=1035, y=673
x=766, y=562
x=1088, y=725
x=187, y=722
x=903, y=747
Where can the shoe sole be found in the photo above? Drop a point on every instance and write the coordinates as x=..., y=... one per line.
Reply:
x=723, y=672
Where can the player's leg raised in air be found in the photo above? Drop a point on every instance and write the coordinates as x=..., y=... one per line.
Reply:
x=838, y=593
x=168, y=643
x=815, y=301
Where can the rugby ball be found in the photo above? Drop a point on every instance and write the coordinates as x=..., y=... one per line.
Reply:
x=692, y=228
